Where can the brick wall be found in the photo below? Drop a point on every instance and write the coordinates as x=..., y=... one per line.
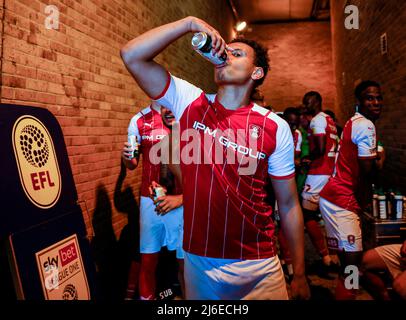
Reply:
x=357, y=57
x=301, y=60
x=76, y=72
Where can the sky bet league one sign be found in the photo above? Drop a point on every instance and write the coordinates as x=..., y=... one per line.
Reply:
x=62, y=271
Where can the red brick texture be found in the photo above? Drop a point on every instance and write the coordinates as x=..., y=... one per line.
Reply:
x=301, y=60
x=357, y=57
x=76, y=72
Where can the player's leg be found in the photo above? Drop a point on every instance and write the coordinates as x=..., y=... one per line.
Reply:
x=147, y=285
x=152, y=238
x=346, y=287
x=372, y=265
x=173, y=222
x=181, y=275
x=310, y=203
x=399, y=285
x=344, y=235
x=133, y=279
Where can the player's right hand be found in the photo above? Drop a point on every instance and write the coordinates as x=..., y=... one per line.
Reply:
x=218, y=43
x=127, y=151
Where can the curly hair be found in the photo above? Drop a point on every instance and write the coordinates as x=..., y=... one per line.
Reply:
x=261, y=56
x=364, y=85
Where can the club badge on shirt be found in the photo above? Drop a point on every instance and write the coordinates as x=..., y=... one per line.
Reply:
x=255, y=131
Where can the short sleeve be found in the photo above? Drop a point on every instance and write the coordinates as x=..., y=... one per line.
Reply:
x=281, y=163
x=133, y=127
x=178, y=95
x=318, y=125
x=364, y=136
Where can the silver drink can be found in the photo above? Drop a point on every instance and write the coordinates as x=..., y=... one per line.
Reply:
x=132, y=140
x=201, y=42
x=159, y=192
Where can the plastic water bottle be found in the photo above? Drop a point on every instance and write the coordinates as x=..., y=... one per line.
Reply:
x=398, y=205
x=382, y=206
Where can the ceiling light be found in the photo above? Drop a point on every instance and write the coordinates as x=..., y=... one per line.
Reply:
x=241, y=26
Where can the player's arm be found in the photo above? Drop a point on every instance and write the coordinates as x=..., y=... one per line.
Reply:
x=381, y=158
x=138, y=54
x=363, y=136
x=293, y=229
x=318, y=127
x=366, y=167
x=319, y=146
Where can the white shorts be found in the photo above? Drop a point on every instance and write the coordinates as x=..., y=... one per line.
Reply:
x=157, y=231
x=390, y=254
x=313, y=186
x=230, y=279
x=343, y=227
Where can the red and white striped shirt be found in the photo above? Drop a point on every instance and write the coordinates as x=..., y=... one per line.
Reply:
x=149, y=129
x=323, y=124
x=225, y=213
x=358, y=141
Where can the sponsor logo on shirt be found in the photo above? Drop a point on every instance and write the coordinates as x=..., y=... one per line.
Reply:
x=228, y=143
x=152, y=137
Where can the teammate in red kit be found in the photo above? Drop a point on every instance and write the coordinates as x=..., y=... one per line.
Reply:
x=322, y=136
x=356, y=161
x=159, y=225
x=228, y=231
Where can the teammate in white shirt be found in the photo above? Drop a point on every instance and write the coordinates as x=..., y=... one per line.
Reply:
x=228, y=233
x=356, y=161
x=322, y=136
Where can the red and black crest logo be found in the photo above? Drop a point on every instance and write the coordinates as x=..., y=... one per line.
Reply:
x=332, y=243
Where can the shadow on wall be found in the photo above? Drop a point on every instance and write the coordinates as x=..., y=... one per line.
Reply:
x=112, y=257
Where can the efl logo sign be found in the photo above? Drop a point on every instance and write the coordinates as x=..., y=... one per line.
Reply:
x=36, y=161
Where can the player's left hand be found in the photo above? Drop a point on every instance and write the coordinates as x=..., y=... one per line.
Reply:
x=153, y=185
x=168, y=203
x=299, y=288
